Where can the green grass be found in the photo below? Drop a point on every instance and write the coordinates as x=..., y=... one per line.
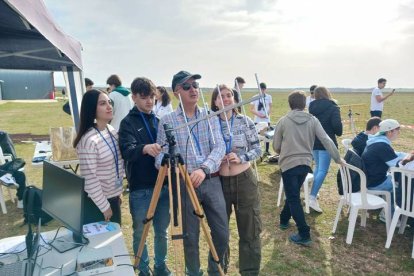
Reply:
x=329, y=254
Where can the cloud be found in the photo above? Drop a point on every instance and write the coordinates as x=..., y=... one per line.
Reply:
x=288, y=42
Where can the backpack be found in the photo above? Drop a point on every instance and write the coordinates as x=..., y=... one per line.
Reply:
x=32, y=206
x=352, y=158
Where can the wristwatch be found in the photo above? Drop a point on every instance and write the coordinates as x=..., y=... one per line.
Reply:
x=206, y=171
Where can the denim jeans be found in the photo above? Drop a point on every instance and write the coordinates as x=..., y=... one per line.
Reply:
x=386, y=186
x=139, y=202
x=292, y=182
x=322, y=162
x=211, y=198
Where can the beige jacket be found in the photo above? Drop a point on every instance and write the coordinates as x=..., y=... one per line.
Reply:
x=294, y=138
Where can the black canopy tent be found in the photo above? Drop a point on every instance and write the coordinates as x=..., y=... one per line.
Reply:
x=30, y=40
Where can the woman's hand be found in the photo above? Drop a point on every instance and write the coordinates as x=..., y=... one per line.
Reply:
x=233, y=158
x=108, y=214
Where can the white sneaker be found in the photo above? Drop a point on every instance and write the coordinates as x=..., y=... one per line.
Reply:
x=313, y=203
x=20, y=204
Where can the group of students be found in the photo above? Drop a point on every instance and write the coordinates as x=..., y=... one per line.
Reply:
x=218, y=165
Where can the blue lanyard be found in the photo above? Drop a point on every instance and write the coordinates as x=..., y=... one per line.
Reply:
x=194, y=136
x=230, y=140
x=114, y=151
x=147, y=127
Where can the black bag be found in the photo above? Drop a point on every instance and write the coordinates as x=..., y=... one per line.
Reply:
x=13, y=166
x=352, y=158
x=32, y=206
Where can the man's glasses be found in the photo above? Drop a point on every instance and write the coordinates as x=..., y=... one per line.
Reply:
x=186, y=86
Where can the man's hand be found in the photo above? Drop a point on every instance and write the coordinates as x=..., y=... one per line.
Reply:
x=152, y=149
x=197, y=177
x=233, y=158
x=108, y=214
x=342, y=162
x=408, y=158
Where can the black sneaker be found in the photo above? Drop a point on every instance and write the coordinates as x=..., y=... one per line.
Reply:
x=284, y=226
x=162, y=271
x=142, y=273
x=296, y=238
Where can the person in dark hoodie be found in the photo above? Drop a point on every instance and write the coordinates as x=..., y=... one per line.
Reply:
x=137, y=138
x=327, y=112
x=360, y=141
x=294, y=138
x=121, y=99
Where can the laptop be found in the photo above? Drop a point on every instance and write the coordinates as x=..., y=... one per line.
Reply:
x=25, y=267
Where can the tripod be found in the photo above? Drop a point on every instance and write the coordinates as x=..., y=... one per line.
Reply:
x=173, y=164
x=352, y=122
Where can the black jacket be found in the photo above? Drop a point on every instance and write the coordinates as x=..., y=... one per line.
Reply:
x=328, y=114
x=133, y=136
x=360, y=142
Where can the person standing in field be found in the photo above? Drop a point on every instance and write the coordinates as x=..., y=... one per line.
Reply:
x=295, y=135
x=327, y=112
x=163, y=104
x=261, y=109
x=121, y=100
x=311, y=97
x=377, y=99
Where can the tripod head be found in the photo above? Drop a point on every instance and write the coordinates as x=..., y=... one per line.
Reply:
x=170, y=139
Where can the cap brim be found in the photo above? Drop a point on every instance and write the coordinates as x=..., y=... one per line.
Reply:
x=195, y=76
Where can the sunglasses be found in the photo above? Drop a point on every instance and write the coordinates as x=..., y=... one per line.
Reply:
x=186, y=86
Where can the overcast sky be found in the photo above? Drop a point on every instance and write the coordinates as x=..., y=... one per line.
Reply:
x=289, y=43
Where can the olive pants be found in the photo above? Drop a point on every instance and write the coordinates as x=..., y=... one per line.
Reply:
x=241, y=191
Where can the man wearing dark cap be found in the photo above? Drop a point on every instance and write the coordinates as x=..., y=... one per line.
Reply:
x=203, y=159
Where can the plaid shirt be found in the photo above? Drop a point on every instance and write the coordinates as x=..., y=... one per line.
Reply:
x=206, y=153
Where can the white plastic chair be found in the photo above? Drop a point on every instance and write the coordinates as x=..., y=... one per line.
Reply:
x=360, y=200
x=407, y=203
x=3, y=160
x=347, y=144
x=306, y=185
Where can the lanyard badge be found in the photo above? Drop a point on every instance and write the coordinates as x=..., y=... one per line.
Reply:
x=118, y=181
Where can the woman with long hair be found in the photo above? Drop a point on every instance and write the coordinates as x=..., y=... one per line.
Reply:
x=239, y=183
x=327, y=111
x=100, y=159
x=163, y=104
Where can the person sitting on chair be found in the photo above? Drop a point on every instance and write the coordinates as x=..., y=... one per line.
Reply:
x=379, y=156
x=13, y=167
x=137, y=140
x=360, y=141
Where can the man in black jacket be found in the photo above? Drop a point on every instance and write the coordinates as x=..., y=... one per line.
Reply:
x=360, y=141
x=137, y=140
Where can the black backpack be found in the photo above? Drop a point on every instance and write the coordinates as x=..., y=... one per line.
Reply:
x=32, y=206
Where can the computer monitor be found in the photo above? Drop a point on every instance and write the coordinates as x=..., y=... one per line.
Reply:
x=63, y=199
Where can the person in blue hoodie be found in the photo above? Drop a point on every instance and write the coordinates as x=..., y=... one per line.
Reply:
x=379, y=156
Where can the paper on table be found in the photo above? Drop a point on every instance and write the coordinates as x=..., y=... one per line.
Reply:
x=96, y=228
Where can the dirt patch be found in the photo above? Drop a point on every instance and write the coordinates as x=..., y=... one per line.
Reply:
x=19, y=137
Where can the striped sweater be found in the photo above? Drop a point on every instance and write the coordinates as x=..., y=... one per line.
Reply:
x=97, y=166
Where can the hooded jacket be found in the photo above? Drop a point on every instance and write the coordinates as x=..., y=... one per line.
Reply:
x=327, y=112
x=378, y=157
x=295, y=136
x=360, y=142
x=133, y=136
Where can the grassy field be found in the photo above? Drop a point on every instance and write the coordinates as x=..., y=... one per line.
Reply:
x=329, y=254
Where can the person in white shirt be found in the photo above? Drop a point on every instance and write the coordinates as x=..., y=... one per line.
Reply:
x=163, y=104
x=377, y=99
x=121, y=100
x=262, y=109
x=311, y=97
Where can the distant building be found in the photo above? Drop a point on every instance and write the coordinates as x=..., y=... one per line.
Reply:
x=25, y=84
